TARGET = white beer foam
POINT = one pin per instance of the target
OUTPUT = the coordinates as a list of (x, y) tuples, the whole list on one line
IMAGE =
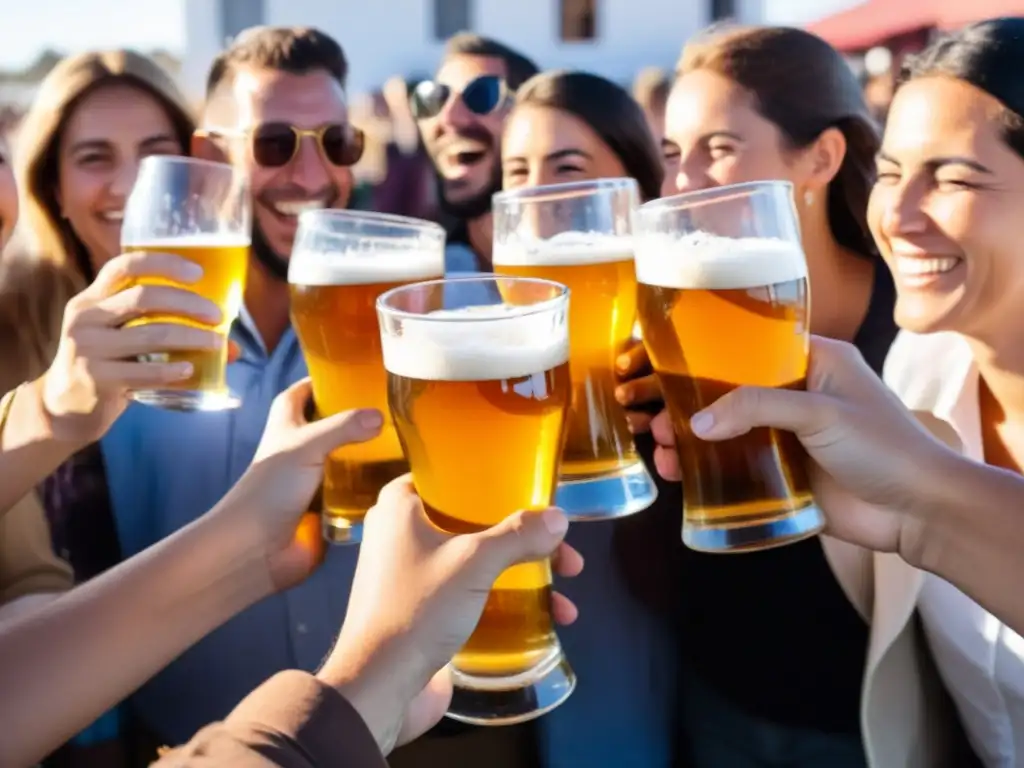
[(197, 240), (364, 267), (710, 262), (506, 346), (566, 249)]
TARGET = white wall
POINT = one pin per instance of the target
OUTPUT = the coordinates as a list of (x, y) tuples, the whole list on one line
[(382, 38)]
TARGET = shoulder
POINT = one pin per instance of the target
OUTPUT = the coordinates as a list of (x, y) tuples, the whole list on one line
[(921, 367)]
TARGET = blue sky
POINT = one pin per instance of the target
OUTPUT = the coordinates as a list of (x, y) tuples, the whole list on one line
[(31, 26)]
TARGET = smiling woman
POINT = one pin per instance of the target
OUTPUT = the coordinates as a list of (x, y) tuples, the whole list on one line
[(945, 213), (95, 117)]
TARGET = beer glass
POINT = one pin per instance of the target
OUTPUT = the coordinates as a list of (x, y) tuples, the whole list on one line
[(723, 301), (580, 234), (341, 262), (479, 390), (198, 210)]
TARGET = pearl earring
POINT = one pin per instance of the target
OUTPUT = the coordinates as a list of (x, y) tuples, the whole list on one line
[(808, 198)]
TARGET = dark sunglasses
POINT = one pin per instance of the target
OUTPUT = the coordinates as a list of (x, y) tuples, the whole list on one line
[(274, 145), (481, 96)]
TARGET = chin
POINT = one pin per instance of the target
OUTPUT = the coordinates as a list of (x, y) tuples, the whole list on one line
[(926, 317)]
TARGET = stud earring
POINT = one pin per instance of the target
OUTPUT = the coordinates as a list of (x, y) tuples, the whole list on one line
[(808, 198)]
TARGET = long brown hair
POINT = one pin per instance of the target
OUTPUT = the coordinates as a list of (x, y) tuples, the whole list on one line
[(52, 263), (802, 85)]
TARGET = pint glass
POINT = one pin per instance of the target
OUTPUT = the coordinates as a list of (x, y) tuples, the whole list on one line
[(479, 393), (341, 262), (198, 210), (723, 302), (580, 234)]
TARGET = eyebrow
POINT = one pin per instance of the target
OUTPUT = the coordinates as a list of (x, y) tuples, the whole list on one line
[(564, 153), (721, 135), (104, 144), (939, 162)]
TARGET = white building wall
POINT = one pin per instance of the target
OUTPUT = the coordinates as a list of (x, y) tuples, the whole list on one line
[(382, 38)]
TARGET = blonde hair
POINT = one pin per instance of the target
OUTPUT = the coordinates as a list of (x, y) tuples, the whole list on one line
[(39, 141), (52, 264)]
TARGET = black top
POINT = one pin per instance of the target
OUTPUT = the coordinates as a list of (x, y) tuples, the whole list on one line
[(773, 630)]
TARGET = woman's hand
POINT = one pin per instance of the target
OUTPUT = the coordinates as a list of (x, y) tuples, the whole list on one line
[(96, 364), (640, 386)]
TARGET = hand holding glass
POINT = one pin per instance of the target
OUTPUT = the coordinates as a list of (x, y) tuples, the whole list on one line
[(200, 211), (479, 394), (723, 302)]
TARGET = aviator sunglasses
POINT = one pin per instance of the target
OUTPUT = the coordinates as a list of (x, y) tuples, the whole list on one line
[(481, 96), (274, 145)]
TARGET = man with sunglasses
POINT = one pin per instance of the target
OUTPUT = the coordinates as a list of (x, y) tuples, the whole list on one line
[(276, 108), (461, 114)]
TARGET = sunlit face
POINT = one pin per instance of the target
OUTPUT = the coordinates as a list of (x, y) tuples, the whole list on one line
[(8, 194), (549, 146), (464, 146), (715, 136), (946, 210), (107, 135), (309, 180)]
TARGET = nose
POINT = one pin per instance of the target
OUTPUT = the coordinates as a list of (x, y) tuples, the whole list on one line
[(902, 210), (308, 168), (455, 114), (123, 179), (691, 177)]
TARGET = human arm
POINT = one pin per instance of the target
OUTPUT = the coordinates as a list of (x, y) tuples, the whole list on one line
[(939, 510), (43, 422)]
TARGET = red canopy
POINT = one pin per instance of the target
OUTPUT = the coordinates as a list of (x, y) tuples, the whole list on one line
[(875, 21)]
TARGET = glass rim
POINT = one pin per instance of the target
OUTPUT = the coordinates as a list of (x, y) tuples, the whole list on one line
[(189, 160), (547, 305), (410, 223), (713, 195), (565, 190)]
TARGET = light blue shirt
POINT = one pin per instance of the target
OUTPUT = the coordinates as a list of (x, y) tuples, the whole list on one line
[(165, 469)]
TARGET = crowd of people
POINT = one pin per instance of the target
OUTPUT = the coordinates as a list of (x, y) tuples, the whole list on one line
[(163, 582)]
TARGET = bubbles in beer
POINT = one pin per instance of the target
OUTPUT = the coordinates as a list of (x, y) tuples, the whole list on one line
[(476, 343), (702, 261), (382, 264), (565, 249)]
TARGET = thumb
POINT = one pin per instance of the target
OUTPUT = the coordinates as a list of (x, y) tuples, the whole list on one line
[(322, 436), (739, 411), (520, 538)]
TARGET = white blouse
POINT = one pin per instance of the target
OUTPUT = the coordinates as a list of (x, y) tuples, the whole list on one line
[(980, 660)]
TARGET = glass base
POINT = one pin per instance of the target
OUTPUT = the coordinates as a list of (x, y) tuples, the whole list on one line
[(608, 497), (340, 530), (755, 536), (186, 400), (511, 700)]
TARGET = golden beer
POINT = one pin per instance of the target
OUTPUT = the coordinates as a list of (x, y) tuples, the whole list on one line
[(479, 401), (333, 298), (225, 262), (719, 313), (601, 316)]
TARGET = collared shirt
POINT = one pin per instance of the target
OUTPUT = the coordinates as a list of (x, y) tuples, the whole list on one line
[(164, 470), (980, 659)]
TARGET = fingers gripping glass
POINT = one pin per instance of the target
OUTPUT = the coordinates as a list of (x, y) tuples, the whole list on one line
[(478, 387), (723, 300), (481, 96), (200, 211), (274, 145)]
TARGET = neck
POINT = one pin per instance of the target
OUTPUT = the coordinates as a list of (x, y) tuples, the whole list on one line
[(1000, 364), (841, 280), (480, 232), (266, 299)]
